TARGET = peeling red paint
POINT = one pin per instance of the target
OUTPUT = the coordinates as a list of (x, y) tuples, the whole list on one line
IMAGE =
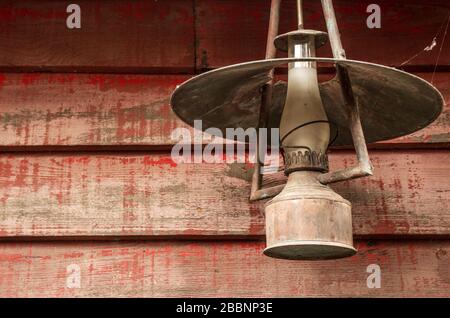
[(2, 80), (14, 258), (159, 162), (22, 174), (73, 255), (30, 78), (61, 78), (10, 13), (108, 252)]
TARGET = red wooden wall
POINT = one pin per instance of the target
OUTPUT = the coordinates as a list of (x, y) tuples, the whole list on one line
[(87, 182)]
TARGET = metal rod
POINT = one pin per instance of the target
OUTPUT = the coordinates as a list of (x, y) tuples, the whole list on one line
[(364, 167), (333, 30), (274, 21), (266, 193), (266, 100), (300, 14)]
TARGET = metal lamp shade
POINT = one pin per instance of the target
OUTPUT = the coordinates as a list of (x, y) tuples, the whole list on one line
[(392, 103)]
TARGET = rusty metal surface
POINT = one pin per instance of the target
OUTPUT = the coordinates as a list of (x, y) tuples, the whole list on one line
[(308, 221), (281, 41), (364, 167), (333, 29), (266, 99), (302, 159), (299, 14), (392, 103)]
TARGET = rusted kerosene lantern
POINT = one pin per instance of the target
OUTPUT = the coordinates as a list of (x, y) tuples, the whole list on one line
[(365, 102)]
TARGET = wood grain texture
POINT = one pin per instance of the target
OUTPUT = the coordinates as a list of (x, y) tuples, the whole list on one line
[(218, 269), (179, 35), (117, 36), (69, 109), (234, 31), (119, 195), (127, 196), (109, 110)]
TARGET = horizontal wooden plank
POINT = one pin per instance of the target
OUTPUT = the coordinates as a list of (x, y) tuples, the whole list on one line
[(173, 36), (130, 36), (69, 109), (235, 31), (218, 269), (106, 110), (111, 195)]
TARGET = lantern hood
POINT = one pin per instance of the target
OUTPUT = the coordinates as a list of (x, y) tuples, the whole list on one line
[(392, 103)]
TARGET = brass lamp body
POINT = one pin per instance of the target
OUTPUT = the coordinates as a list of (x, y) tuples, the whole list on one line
[(307, 220)]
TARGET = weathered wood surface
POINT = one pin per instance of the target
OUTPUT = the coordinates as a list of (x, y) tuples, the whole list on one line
[(92, 109), (217, 269), (130, 36), (70, 109), (88, 195), (235, 31), (179, 35), (93, 196)]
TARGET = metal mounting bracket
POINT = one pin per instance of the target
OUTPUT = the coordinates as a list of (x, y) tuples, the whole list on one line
[(364, 166)]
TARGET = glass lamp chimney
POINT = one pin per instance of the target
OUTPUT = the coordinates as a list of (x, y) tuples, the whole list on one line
[(304, 127)]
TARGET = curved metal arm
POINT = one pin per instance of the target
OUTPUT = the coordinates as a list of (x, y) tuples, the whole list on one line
[(266, 101), (364, 167)]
